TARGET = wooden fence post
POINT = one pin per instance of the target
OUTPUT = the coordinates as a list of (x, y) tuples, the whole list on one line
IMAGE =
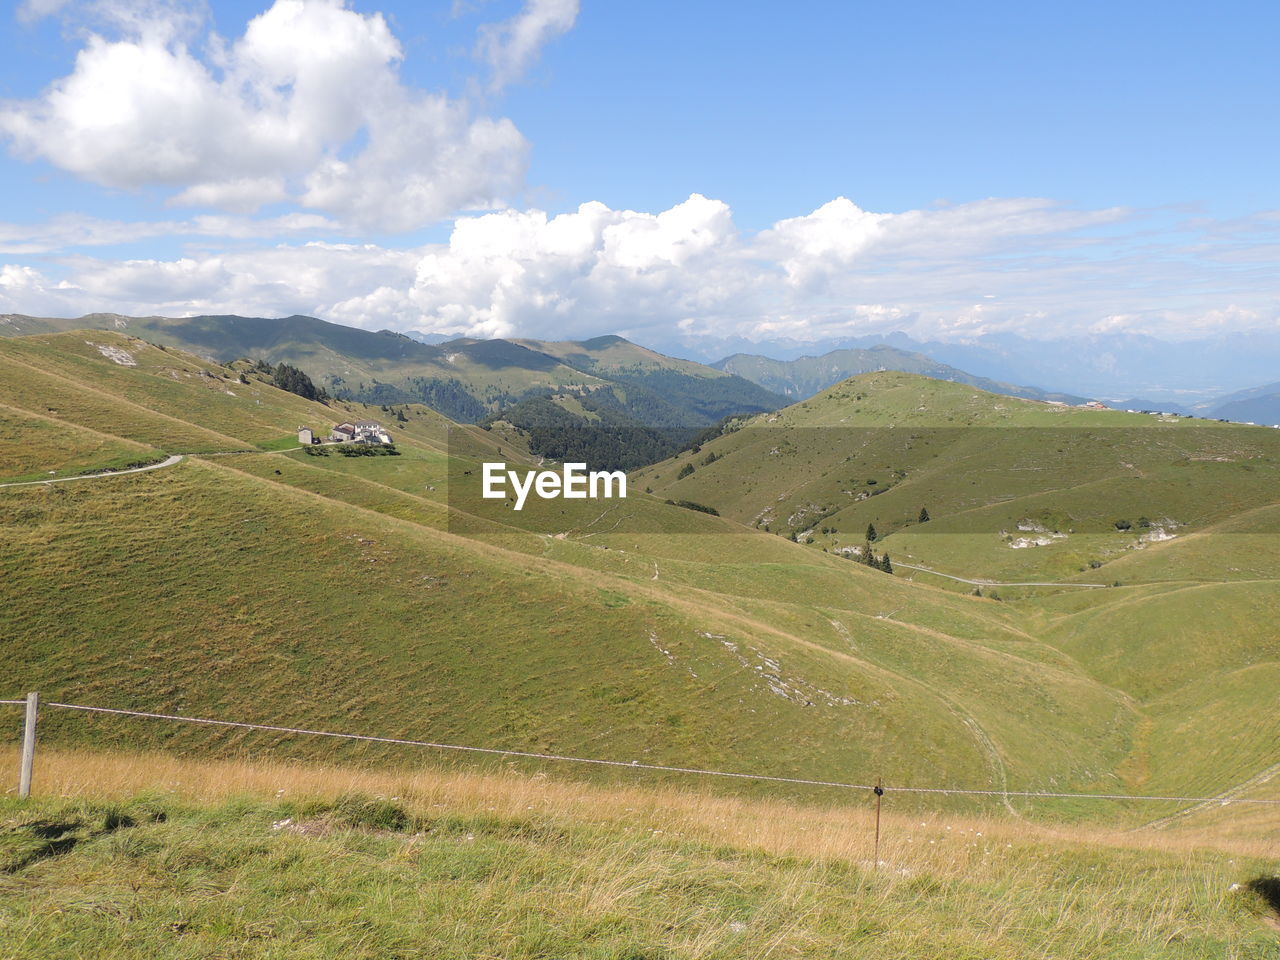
[(28, 745)]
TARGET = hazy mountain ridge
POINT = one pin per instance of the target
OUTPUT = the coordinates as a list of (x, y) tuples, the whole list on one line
[(803, 377), (464, 378), (1105, 365), (467, 379), (1256, 405)]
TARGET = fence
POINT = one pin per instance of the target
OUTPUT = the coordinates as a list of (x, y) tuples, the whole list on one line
[(33, 704)]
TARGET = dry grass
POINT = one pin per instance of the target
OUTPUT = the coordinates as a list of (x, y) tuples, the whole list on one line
[(260, 859), (842, 830)]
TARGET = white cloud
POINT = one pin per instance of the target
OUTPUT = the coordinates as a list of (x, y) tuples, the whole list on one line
[(688, 273), (511, 47), (74, 230), (242, 196), (307, 105), (513, 271), (26, 290), (828, 239), (31, 10)]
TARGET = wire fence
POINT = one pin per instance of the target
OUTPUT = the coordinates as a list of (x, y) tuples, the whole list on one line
[(1221, 798)]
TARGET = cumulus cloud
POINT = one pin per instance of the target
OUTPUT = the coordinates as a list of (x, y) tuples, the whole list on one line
[(507, 272), (511, 47), (689, 274), (307, 106)]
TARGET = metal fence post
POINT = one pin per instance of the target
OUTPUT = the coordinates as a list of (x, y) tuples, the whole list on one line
[(878, 789), (29, 745)]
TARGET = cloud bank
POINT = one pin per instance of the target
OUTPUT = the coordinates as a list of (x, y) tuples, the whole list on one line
[(307, 107), (687, 273)]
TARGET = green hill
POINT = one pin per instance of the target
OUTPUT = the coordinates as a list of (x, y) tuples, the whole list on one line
[(464, 379), (378, 594), (1023, 490)]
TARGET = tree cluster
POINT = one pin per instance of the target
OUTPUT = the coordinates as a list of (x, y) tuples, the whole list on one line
[(294, 380), (613, 441), (690, 505), (447, 395)]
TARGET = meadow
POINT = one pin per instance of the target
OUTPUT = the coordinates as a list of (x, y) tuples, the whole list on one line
[(263, 582), (164, 858)]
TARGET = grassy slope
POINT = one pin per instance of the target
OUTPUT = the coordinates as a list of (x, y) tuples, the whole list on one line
[(166, 400), (607, 355), (355, 594), (348, 593), (1191, 645), (272, 860), (877, 448), (327, 350), (335, 586)]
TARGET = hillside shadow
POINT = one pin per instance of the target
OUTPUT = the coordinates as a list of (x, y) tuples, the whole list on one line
[(40, 840), (1269, 889)]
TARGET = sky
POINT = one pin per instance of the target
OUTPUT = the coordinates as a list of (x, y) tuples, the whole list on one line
[(669, 171)]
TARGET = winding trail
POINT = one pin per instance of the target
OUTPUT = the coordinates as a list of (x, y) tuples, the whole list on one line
[(996, 583), (171, 461), (1221, 800)]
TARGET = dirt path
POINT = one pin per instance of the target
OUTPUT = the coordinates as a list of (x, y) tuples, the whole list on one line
[(1222, 799), (171, 461), (995, 583)]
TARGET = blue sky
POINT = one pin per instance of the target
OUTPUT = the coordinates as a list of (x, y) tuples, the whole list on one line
[(665, 170)]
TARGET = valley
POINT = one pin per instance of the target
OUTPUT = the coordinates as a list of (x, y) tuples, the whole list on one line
[(209, 565), (645, 630)]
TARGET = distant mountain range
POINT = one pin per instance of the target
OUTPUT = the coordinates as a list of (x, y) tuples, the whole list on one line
[(805, 376), (1256, 405), (470, 380), (465, 379), (1107, 366)]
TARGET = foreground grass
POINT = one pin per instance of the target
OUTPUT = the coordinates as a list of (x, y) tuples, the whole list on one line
[(260, 860)]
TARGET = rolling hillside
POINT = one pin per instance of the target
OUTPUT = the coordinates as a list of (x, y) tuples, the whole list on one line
[(464, 379), (1021, 488), (1019, 492), (372, 593)]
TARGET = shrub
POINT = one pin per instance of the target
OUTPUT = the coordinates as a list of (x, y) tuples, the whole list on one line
[(701, 508)]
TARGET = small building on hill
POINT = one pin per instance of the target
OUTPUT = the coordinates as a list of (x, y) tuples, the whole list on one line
[(305, 436), (362, 431)]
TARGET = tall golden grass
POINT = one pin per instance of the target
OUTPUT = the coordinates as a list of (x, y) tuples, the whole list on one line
[(939, 842)]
